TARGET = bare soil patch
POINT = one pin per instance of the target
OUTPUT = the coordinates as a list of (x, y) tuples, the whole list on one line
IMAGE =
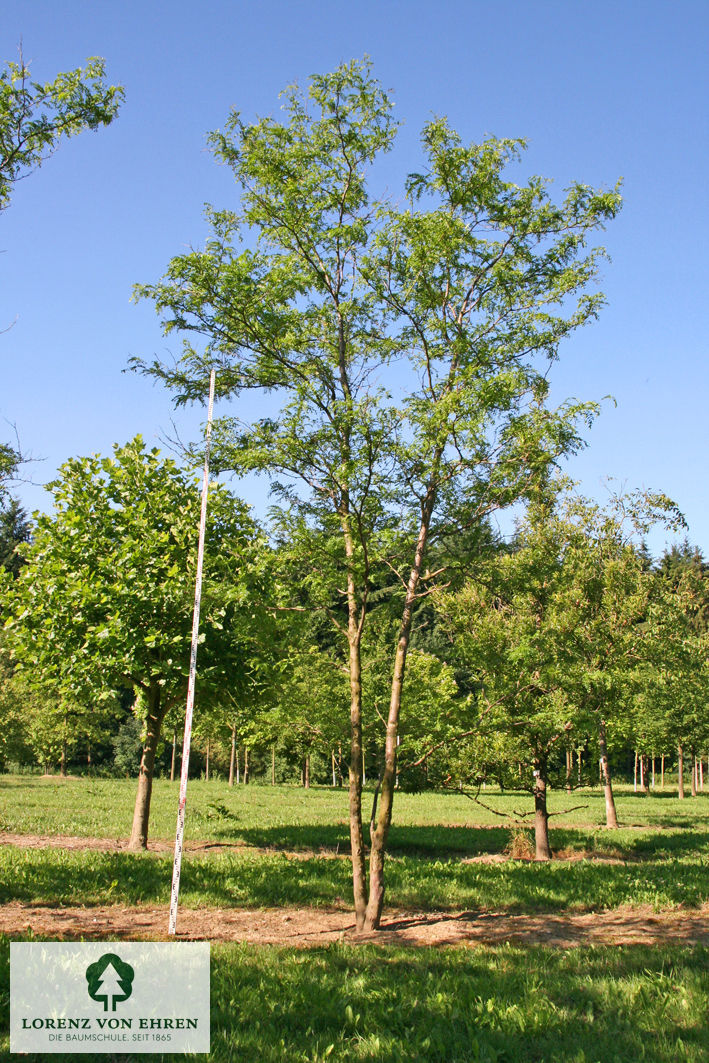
[(307, 927)]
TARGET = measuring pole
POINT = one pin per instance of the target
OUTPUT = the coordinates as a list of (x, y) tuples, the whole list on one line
[(177, 864)]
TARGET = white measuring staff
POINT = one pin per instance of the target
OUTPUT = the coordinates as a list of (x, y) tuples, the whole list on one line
[(177, 864)]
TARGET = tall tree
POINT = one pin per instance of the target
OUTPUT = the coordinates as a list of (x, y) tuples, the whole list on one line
[(35, 116), (408, 347), (105, 600)]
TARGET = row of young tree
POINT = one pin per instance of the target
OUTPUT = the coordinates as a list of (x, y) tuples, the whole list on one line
[(405, 349), (565, 644)]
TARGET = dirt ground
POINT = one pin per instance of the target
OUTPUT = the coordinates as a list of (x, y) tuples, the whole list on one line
[(306, 927)]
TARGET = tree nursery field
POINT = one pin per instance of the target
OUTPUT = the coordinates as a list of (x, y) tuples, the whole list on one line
[(598, 954)]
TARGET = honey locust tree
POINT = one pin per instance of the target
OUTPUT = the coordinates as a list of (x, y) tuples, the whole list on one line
[(104, 601), (34, 117), (404, 349)]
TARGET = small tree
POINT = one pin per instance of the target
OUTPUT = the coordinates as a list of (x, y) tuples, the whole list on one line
[(555, 633), (408, 345), (105, 599)]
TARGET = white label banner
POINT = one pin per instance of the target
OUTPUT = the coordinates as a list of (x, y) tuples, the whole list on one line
[(109, 996)]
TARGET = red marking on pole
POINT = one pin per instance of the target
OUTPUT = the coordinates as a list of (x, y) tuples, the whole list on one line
[(179, 834)]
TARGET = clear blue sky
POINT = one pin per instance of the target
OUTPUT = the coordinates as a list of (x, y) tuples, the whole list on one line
[(600, 90)]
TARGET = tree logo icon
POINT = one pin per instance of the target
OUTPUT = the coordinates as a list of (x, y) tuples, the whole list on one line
[(110, 980)]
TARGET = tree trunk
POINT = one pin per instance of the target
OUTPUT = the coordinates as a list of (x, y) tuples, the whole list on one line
[(542, 849), (701, 775), (635, 774), (662, 772), (306, 772), (569, 770), (694, 775), (611, 817), (356, 774), (232, 757), (644, 784), (174, 755), (332, 761), (580, 763), (339, 766), (653, 772), (246, 765), (380, 832), (62, 764), (680, 772), (141, 813), (273, 764)]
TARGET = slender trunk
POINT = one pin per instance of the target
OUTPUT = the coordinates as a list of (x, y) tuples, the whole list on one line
[(380, 832), (232, 758), (635, 774), (273, 764), (611, 817), (88, 757), (644, 785), (680, 772), (653, 771), (701, 775), (580, 763), (174, 755), (332, 759), (569, 770), (246, 765), (542, 849), (694, 775), (662, 772), (356, 777), (141, 813), (238, 769), (62, 765), (206, 764), (306, 772)]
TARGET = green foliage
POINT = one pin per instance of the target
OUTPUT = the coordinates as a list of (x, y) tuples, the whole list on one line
[(555, 632), (105, 599), (406, 348), (34, 117), (127, 746), (14, 532)]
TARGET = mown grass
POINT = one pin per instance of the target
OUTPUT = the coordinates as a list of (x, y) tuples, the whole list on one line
[(665, 851), (494, 1005), (252, 879), (290, 817)]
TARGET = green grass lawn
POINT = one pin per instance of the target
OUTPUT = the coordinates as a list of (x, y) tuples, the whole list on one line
[(290, 816), (504, 1005), (664, 845), (510, 1004)]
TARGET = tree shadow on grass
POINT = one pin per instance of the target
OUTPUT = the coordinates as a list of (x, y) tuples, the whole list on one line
[(242, 879), (492, 1004), (398, 1005), (431, 841)]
